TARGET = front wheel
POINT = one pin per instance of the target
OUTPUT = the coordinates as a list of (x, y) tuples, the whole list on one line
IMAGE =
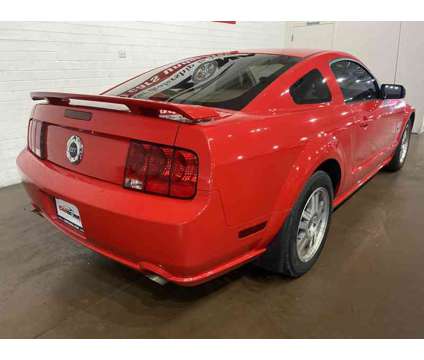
[(401, 151), (298, 244)]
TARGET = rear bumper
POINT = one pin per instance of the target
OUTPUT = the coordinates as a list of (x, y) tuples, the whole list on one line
[(185, 242)]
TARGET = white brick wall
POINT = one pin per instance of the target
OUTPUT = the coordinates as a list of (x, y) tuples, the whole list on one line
[(84, 57)]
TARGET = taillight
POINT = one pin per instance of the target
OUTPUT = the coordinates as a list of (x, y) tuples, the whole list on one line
[(162, 170), (36, 138)]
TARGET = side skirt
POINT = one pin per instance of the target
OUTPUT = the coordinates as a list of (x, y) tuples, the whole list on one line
[(343, 197)]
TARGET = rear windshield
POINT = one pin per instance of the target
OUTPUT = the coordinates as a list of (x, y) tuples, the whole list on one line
[(225, 81)]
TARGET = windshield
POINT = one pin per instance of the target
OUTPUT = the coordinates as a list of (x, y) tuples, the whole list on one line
[(228, 81)]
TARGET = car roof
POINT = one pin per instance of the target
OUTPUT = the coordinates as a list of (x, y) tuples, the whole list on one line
[(301, 53), (290, 52)]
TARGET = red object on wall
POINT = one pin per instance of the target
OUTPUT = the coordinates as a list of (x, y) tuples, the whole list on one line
[(227, 22)]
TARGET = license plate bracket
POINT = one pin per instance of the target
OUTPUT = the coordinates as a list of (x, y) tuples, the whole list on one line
[(69, 213)]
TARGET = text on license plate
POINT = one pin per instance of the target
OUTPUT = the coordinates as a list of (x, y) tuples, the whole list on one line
[(69, 213)]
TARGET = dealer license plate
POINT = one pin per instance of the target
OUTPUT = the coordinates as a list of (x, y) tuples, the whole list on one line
[(69, 213)]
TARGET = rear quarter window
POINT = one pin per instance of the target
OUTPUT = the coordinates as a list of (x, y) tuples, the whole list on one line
[(310, 89)]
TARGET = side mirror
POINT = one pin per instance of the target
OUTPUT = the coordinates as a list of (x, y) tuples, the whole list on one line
[(392, 91)]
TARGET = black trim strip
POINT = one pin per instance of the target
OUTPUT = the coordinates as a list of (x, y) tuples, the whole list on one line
[(251, 230), (78, 115)]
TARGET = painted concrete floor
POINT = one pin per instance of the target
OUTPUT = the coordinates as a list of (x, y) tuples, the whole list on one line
[(368, 283)]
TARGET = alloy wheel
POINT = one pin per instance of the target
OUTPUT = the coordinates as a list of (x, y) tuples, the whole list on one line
[(404, 144), (313, 224)]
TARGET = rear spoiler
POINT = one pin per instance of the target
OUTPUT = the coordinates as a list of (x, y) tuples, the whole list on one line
[(192, 113)]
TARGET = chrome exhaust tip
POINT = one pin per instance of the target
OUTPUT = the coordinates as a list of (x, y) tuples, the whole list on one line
[(157, 279)]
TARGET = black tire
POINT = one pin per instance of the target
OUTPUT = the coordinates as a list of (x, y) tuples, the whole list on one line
[(282, 255), (398, 161)]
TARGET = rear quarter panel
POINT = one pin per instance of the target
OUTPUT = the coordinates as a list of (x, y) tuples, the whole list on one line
[(259, 159), (260, 164)]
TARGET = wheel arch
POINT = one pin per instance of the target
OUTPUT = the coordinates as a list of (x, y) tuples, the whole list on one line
[(412, 118), (333, 169), (327, 156)]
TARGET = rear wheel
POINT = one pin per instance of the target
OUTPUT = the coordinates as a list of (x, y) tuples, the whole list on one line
[(298, 244), (401, 151)]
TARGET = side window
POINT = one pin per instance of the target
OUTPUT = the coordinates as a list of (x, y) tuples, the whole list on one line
[(356, 83), (310, 89)]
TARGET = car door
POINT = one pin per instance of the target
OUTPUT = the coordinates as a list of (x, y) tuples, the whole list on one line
[(393, 116), (370, 132)]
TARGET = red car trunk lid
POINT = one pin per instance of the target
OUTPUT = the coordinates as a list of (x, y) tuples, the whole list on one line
[(104, 131), (105, 138)]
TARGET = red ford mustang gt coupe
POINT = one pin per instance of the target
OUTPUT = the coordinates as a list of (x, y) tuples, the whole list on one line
[(194, 168)]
